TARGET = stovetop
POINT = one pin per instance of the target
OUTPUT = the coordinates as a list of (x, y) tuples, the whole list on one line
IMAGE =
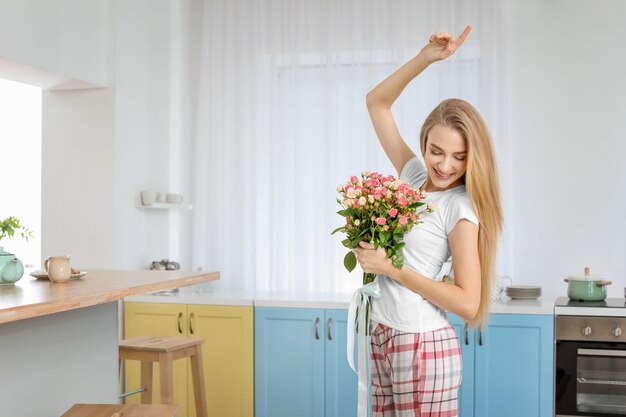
[(612, 307)]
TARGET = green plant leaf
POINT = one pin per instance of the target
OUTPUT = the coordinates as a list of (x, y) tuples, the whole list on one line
[(336, 230), (349, 261)]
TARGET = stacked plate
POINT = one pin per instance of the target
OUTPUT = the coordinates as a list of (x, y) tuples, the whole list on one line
[(527, 292)]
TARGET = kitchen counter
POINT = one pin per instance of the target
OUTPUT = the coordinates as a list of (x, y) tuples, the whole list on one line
[(198, 295), (60, 340), (30, 297)]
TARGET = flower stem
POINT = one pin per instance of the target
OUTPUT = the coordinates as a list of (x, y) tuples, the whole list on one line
[(367, 278)]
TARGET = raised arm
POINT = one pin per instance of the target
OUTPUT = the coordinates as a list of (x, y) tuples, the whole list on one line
[(379, 101)]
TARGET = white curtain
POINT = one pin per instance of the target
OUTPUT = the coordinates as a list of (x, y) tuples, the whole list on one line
[(281, 122)]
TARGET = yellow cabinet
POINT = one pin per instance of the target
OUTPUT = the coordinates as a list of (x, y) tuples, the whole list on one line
[(227, 353)]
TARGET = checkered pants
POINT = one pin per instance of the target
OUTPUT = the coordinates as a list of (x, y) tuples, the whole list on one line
[(415, 374)]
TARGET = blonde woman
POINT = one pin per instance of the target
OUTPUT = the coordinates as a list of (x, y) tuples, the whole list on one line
[(416, 359)]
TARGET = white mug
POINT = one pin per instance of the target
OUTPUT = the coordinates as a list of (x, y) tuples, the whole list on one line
[(58, 268), (498, 287), (174, 198), (148, 197)]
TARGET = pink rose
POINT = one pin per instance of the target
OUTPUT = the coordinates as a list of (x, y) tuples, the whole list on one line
[(381, 221), (402, 201), (354, 179), (393, 212), (402, 220)]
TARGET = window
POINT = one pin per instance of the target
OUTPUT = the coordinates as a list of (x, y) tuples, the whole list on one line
[(20, 165)]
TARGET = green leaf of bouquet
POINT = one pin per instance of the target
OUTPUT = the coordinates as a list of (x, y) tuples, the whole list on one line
[(349, 261), (336, 230), (346, 243), (344, 212), (399, 246), (355, 242), (398, 261)]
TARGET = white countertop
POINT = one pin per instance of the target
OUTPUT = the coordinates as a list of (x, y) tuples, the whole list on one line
[(206, 295)]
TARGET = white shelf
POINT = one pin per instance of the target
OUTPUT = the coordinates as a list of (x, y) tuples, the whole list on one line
[(162, 206), (165, 206)]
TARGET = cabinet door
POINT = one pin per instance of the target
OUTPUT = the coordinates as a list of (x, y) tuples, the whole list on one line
[(466, 338), (289, 362), (514, 366), (341, 381), (151, 319), (227, 354)]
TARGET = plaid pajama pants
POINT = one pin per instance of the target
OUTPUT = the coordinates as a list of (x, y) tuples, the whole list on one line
[(415, 374)]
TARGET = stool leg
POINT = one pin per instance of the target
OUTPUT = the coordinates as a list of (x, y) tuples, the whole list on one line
[(199, 390), (146, 382), (167, 378)]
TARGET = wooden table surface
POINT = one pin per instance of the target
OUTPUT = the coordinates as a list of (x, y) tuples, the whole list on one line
[(30, 297), (121, 410)]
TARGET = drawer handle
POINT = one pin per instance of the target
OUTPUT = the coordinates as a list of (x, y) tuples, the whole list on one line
[(466, 331), (480, 337), (317, 328), (180, 323), (191, 316), (328, 325)]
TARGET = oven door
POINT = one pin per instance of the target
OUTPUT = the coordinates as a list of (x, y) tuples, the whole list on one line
[(590, 379)]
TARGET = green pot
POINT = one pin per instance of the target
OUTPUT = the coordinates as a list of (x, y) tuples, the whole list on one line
[(586, 288), (11, 268)]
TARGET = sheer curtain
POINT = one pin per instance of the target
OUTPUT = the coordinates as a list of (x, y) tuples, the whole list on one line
[(281, 122)]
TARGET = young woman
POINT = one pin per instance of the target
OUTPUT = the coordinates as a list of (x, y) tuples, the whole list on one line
[(416, 358)]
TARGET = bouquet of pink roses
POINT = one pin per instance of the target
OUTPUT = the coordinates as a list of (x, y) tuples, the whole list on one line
[(379, 210)]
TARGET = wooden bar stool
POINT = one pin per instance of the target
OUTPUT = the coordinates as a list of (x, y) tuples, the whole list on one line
[(121, 410), (165, 350)]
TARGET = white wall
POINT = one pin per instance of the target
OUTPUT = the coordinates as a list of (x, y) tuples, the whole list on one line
[(152, 130), (70, 38), (568, 144), (102, 146), (78, 196)]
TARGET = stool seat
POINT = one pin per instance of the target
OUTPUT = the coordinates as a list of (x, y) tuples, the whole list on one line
[(159, 343), (124, 410), (164, 350)]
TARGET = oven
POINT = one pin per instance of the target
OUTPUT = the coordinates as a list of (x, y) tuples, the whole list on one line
[(590, 358)]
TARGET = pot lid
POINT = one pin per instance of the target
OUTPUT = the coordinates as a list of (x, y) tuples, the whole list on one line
[(3, 253), (586, 276)]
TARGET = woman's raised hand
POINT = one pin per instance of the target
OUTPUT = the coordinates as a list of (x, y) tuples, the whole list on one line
[(441, 45)]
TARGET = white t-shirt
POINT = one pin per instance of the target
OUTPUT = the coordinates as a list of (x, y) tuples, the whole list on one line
[(425, 252)]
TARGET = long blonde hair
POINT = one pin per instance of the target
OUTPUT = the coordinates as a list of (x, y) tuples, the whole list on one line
[(481, 182)]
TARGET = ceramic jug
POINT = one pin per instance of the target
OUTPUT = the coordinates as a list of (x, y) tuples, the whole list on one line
[(11, 268), (58, 268)]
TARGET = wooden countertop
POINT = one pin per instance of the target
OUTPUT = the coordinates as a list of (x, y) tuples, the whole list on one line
[(30, 297)]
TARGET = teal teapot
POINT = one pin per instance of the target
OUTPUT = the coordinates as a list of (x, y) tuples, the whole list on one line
[(11, 268)]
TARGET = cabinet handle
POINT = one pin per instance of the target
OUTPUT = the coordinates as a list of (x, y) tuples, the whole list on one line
[(480, 337), (317, 328), (191, 316), (180, 323), (329, 323), (465, 330)]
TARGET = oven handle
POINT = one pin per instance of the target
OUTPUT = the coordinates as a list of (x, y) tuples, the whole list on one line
[(599, 381), (601, 352)]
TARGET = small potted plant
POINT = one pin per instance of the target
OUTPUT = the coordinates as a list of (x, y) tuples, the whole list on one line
[(11, 268)]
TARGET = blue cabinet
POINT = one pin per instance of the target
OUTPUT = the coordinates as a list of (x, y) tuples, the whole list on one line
[(508, 367), (301, 368)]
